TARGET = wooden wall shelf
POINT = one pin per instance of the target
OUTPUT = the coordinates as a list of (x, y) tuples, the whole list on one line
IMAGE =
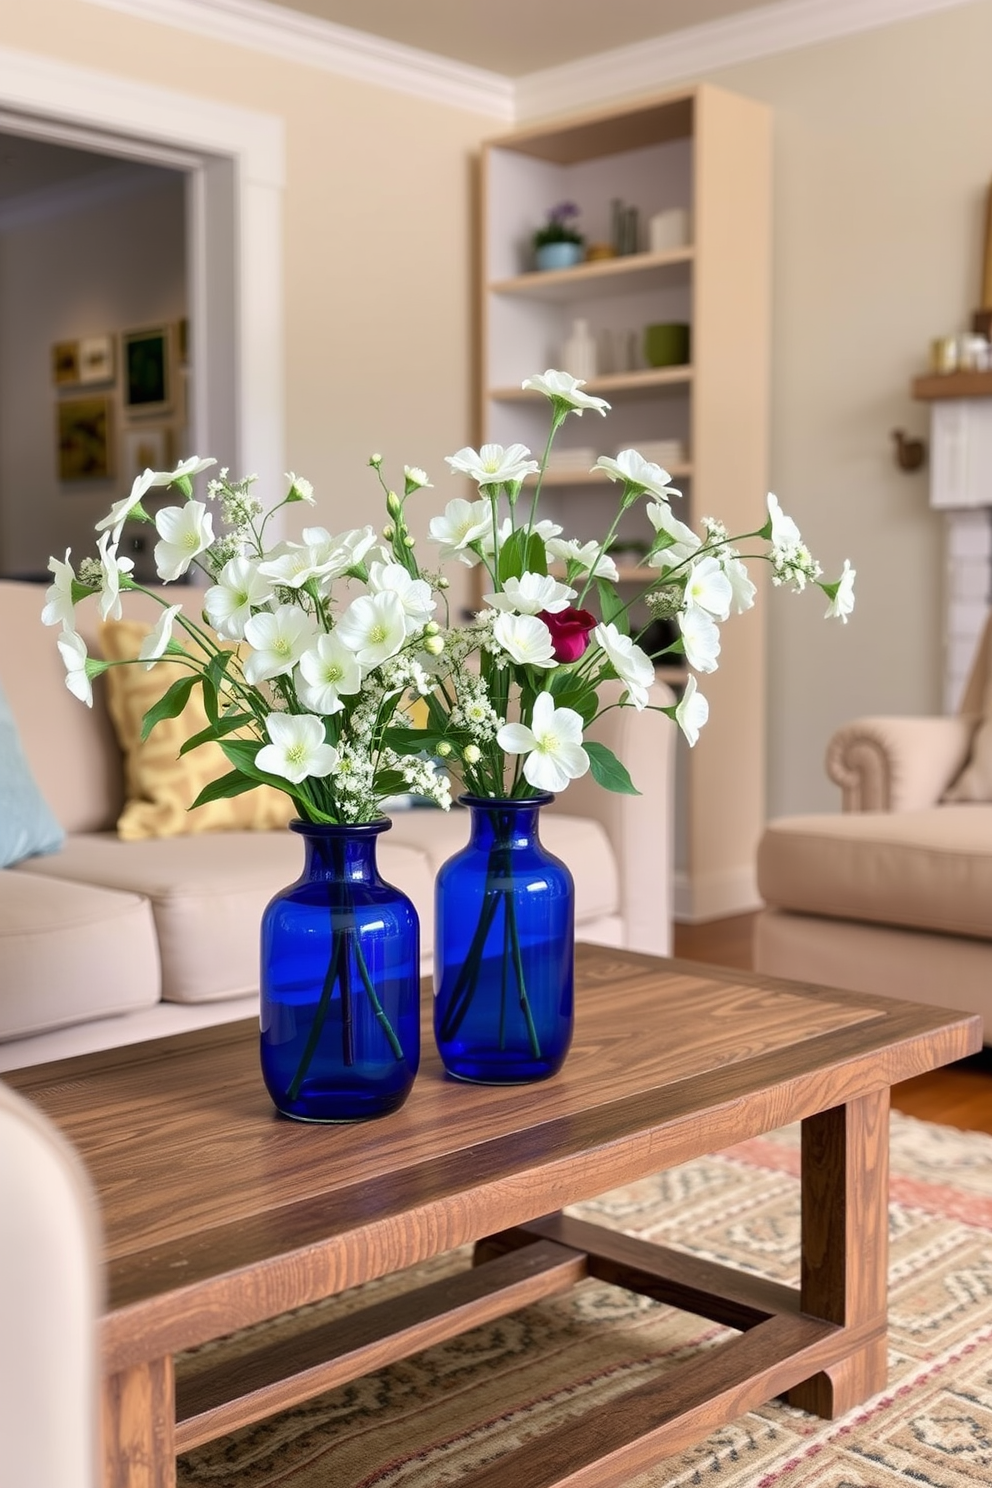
[(952, 385)]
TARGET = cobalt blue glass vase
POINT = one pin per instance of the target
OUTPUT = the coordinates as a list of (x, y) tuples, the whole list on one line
[(505, 931), (340, 983)]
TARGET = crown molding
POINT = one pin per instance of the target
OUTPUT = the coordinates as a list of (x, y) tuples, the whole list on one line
[(311, 42), (688, 54)]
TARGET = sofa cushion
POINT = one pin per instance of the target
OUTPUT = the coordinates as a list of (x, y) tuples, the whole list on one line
[(71, 953), (160, 784), (27, 825), (207, 895), (578, 841), (931, 870)]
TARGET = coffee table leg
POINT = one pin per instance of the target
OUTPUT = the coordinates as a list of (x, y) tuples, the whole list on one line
[(845, 1249), (139, 1415)]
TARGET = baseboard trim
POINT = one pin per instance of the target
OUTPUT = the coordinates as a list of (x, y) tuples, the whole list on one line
[(715, 896)]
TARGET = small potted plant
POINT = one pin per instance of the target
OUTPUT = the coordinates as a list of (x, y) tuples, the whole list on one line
[(559, 244)]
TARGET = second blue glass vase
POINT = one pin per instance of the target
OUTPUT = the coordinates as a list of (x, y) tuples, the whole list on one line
[(340, 983), (503, 1009)]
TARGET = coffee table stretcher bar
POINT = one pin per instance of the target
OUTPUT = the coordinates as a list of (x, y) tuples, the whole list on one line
[(193, 1257)]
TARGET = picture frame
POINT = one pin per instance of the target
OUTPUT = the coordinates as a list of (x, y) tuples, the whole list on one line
[(83, 429), (146, 371), (96, 359), (65, 363), (145, 447)]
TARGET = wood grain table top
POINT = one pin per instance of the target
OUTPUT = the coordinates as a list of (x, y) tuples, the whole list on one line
[(217, 1212)]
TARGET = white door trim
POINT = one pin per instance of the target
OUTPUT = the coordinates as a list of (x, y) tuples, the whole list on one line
[(236, 161)]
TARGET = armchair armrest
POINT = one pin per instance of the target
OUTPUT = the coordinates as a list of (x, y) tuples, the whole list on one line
[(898, 764), (640, 828)]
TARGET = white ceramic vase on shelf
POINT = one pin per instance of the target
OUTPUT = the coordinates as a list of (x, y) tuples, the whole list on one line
[(579, 352)]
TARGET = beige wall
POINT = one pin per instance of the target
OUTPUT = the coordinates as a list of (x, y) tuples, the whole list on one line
[(378, 245), (882, 161), (883, 157), (108, 268)]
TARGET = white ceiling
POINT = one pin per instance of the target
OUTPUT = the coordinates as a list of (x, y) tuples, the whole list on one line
[(516, 37)]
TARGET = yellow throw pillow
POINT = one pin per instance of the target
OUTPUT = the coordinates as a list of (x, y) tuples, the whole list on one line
[(160, 786)]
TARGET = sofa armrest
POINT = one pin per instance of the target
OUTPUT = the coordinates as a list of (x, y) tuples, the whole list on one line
[(898, 764), (640, 828)]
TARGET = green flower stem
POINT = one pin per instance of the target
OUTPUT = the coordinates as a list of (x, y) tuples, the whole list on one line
[(316, 1028), (347, 1019), (373, 998), (518, 962), (466, 983)]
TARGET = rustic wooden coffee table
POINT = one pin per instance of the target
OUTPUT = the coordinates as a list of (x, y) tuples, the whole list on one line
[(218, 1213)]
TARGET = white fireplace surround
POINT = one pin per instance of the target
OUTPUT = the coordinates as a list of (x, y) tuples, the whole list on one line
[(961, 487)]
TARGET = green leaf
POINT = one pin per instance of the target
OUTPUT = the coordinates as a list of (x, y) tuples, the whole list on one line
[(607, 770), (214, 731), (511, 555), (233, 784), (573, 692), (169, 705), (536, 557), (612, 607)]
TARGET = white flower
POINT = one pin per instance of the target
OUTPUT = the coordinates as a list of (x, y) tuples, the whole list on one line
[(684, 541), (414, 478), (691, 711), (743, 589), (530, 594), (325, 672), (186, 468), (298, 748), (493, 465), (353, 545), (463, 522), (700, 638), (414, 594), (59, 608), (526, 639), (121, 510), (589, 556), (631, 664), (73, 651), (553, 745), (229, 602), (785, 537), (565, 388), (634, 470), (111, 568), (708, 587), (373, 627), (278, 640), (843, 601), (185, 531), (319, 556), (156, 642), (299, 489)]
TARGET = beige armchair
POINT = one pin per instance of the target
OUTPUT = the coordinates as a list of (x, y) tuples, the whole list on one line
[(893, 895)]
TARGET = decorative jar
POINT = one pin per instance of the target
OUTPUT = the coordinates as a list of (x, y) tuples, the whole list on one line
[(504, 953), (340, 983)]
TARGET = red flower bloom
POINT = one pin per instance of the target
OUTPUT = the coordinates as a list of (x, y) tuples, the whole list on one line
[(569, 631)]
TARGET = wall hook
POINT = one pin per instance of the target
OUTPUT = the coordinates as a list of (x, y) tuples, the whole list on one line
[(910, 453)]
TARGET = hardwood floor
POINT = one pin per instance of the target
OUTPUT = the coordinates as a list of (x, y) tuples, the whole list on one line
[(959, 1095)]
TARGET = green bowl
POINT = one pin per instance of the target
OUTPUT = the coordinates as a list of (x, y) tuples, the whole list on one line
[(666, 345)]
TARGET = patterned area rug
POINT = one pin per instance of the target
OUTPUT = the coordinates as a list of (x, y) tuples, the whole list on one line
[(439, 1416)]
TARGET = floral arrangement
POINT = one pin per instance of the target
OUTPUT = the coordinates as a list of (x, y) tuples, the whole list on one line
[(314, 653), (560, 226)]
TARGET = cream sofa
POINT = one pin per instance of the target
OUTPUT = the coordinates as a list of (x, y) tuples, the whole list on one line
[(894, 895), (107, 942)]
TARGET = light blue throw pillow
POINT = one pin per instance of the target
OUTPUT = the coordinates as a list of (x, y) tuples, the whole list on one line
[(27, 826)]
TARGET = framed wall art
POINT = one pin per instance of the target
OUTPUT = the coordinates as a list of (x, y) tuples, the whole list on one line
[(96, 359), (148, 447), (65, 363), (83, 431), (146, 371)]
